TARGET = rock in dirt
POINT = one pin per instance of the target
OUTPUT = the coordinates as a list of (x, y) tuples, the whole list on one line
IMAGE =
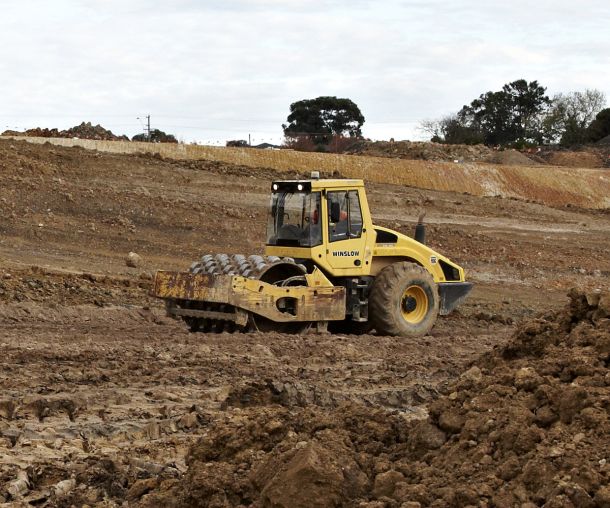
[(188, 421), (425, 437), (133, 260), (385, 483), (141, 487), (471, 377), (527, 379), (63, 488), (602, 497), (19, 486), (318, 474)]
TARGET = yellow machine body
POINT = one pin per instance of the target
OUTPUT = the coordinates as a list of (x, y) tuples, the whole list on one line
[(373, 250)]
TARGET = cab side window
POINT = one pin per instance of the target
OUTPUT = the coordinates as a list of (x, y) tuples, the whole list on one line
[(344, 215), (355, 214)]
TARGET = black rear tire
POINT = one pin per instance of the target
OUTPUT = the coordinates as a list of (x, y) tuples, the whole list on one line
[(403, 300)]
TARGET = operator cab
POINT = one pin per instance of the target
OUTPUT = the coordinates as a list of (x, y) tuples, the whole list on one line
[(295, 218), (297, 213)]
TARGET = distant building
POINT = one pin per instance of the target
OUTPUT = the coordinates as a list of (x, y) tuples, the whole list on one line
[(267, 146)]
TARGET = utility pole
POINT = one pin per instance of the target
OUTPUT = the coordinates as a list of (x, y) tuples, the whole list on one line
[(146, 128)]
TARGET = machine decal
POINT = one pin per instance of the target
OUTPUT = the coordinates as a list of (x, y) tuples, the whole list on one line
[(346, 253)]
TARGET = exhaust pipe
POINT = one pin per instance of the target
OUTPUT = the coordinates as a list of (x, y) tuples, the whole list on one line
[(420, 229)]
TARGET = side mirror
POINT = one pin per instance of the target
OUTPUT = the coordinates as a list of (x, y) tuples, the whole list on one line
[(335, 211)]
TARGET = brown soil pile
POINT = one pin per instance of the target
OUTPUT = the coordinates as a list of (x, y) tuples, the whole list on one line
[(510, 158), (420, 150), (597, 156), (526, 425), (576, 159), (83, 131), (36, 284), (586, 156)]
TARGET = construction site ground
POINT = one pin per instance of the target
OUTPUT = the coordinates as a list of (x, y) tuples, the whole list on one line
[(105, 400)]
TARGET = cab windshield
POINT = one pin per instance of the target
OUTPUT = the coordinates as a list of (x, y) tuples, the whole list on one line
[(295, 219)]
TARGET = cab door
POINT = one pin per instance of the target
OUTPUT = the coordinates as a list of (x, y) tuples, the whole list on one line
[(346, 241)]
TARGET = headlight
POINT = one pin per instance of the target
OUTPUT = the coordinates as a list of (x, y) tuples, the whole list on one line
[(299, 187)]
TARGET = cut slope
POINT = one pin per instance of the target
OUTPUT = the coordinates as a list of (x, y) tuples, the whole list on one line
[(587, 188)]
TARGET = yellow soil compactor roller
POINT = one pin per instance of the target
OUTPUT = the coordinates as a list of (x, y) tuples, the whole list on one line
[(326, 265)]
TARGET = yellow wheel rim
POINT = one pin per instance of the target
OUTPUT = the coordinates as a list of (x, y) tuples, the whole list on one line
[(414, 304)]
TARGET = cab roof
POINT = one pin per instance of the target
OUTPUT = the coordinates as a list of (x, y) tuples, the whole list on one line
[(315, 184)]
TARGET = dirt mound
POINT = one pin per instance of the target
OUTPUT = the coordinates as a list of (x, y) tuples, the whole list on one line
[(36, 284), (509, 158), (585, 159), (279, 457), (527, 423), (604, 141), (585, 156), (83, 131), (420, 150)]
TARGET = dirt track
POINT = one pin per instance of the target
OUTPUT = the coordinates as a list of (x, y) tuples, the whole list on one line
[(101, 393)]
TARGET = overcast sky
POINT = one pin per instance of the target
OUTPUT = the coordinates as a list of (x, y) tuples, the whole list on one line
[(216, 70)]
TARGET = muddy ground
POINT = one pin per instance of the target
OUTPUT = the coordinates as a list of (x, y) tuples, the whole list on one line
[(103, 397)]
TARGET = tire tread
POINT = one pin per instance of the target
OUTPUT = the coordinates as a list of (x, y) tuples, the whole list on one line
[(382, 300)]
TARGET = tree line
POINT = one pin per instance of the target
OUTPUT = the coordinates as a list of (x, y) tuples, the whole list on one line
[(522, 114), (519, 114)]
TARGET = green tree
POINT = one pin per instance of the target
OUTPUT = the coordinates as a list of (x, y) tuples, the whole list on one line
[(240, 143), (512, 115), (322, 118), (156, 136), (458, 133), (570, 115), (600, 127), (452, 130)]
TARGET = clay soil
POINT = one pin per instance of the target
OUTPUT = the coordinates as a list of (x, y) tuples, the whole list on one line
[(105, 401)]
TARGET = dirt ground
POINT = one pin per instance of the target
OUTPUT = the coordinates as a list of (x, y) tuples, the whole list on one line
[(105, 400)]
